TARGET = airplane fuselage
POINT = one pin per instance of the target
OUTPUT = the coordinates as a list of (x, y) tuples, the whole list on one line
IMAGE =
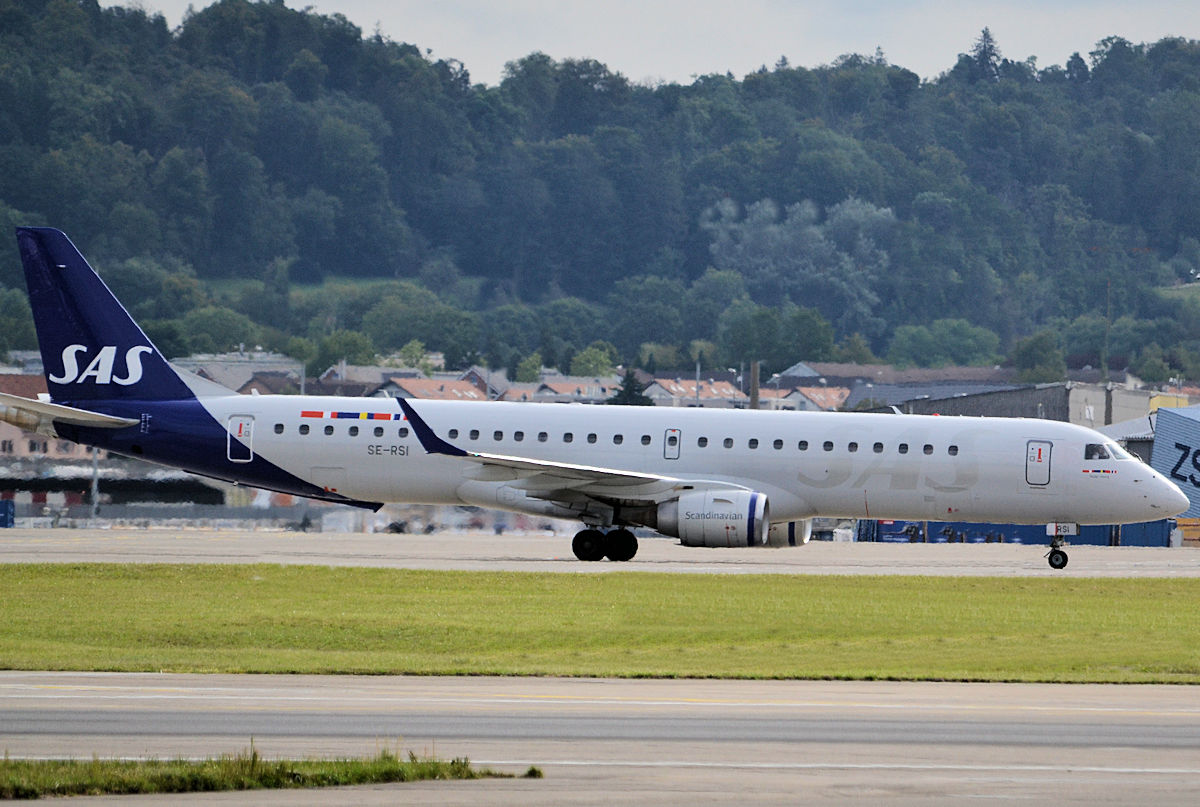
[(809, 464)]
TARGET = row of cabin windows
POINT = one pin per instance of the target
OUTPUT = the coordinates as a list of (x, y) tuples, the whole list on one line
[(353, 431), (618, 439)]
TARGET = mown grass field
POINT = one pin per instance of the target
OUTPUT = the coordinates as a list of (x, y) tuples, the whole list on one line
[(291, 619)]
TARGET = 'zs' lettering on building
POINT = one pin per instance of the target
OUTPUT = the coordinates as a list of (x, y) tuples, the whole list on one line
[(101, 367), (1184, 452)]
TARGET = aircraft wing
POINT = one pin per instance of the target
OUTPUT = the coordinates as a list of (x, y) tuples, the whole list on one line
[(552, 480), (39, 416)]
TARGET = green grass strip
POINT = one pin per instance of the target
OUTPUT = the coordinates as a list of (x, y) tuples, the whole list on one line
[(31, 779), (289, 619)]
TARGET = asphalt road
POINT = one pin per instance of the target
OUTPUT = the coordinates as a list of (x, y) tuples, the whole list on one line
[(638, 742), (645, 742), (550, 553)]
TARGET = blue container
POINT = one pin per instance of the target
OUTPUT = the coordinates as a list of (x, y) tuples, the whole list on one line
[(8, 512), (1150, 533)]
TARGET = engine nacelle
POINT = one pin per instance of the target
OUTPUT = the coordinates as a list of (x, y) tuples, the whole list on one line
[(716, 518), (790, 533)]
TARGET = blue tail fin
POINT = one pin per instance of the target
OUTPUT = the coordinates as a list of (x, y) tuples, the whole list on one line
[(92, 349)]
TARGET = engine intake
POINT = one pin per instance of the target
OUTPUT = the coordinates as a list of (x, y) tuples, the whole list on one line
[(716, 518)]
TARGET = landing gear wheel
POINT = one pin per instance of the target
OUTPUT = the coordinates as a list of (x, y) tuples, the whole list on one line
[(589, 545), (622, 545), (1057, 559)]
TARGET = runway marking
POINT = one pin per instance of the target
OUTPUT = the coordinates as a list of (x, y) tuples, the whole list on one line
[(382, 700), (849, 766), (762, 766)]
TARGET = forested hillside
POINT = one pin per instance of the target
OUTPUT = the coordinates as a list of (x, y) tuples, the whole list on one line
[(272, 176)]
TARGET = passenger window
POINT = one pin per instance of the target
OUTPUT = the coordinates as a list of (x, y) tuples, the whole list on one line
[(568, 437), (379, 431), (728, 442), (543, 437), (877, 448), (304, 428), (452, 434), (497, 436), (852, 447), (753, 442), (329, 429), (702, 442), (474, 435), (404, 432), (1095, 451), (828, 445), (804, 445), (778, 444), (279, 428), (618, 439), (591, 438), (673, 440), (518, 436), (952, 451), (902, 448), (353, 431), (928, 449), (645, 439)]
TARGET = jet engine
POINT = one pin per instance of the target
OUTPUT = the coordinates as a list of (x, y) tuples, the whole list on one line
[(716, 518), (790, 533)]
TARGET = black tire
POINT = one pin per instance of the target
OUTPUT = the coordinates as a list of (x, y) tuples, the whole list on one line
[(589, 545), (622, 545), (1057, 559)]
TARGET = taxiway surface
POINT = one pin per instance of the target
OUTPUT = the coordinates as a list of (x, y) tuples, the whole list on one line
[(642, 742), (482, 551), (632, 741)]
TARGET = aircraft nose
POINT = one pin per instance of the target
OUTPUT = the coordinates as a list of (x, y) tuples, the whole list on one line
[(1173, 499), (1165, 498)]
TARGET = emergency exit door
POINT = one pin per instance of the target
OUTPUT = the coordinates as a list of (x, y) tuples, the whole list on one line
[(671, 445), (1037, 462)]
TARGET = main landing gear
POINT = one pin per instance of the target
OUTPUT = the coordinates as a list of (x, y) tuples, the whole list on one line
[(591, 544)]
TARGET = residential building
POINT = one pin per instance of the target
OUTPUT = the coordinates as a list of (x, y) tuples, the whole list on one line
[(687, 392), (429, 388)]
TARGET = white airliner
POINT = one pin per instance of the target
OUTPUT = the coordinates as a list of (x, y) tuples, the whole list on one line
[(712, 478)]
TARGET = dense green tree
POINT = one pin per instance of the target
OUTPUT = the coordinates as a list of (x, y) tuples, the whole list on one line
[(568, 204), (351, 347), (596, 359), (854, 349), (943, 342), (1039, 359), (644, 309), (631, 393), (529, 370), (16, 322), (221, 327)]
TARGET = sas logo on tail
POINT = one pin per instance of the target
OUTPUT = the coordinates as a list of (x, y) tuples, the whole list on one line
[(101, 367)]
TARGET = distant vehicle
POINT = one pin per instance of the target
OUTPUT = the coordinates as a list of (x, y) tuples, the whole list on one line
[(712, 478)]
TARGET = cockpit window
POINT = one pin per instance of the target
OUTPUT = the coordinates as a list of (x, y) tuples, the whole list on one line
[(1096, 451), (1118, 453)]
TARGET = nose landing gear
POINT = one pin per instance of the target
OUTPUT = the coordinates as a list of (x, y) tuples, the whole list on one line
[(592, 545), (1056, 557)]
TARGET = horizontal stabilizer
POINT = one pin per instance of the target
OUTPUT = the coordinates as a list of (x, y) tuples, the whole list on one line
[(39, 416)]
